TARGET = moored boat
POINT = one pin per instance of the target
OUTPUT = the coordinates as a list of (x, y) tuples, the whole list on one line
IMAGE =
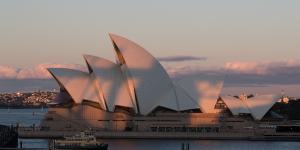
[(84, 140)]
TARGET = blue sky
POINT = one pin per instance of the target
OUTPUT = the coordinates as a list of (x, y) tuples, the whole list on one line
[(259, 39)]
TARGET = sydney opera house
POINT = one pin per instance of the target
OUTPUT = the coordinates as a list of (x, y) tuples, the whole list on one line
[(136, 94)]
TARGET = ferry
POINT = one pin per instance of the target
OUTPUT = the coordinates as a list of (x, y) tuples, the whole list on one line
[(84, 140)]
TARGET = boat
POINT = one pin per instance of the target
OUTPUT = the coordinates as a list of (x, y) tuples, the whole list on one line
[(84, 140)]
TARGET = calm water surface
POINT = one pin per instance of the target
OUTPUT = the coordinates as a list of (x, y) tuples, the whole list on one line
[(33, 116)]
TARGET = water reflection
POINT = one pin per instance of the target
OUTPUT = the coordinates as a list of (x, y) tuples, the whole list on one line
[(199, 145)]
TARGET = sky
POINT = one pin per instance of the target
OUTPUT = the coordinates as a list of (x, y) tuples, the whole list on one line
[(259, 39)]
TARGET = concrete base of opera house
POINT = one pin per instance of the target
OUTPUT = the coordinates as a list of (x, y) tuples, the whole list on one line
[(151, 135), (59, 122)]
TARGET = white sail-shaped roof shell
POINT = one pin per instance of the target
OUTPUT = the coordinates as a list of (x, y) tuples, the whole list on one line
[(185, 101), (152, 84), (204, 89), (78, 84), (235, 105), (260, 105), (111, 82)]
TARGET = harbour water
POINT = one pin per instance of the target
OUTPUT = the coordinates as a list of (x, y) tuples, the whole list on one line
[(29, 117), (24, 117)]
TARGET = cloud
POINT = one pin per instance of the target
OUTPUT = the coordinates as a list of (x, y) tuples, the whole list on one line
[(264, 72), (8, 72), (180, 58), (246, 67), (40, 71), (238, 72), (36, 72), (263, 68), (239, 76)]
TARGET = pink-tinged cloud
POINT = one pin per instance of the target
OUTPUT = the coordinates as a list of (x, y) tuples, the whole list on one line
[(278, 69), (247, 67), (8, 72), (37, 72), (173, 71), (40, 70), (264, 67), (177, 71)]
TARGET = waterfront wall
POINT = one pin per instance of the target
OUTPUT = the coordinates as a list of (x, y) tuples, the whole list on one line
[(164, 135)]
